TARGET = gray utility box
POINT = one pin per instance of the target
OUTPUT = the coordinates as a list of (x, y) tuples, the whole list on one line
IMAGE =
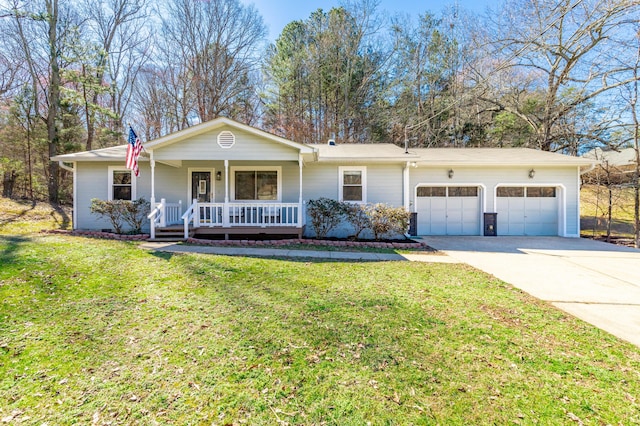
[(490, 224)]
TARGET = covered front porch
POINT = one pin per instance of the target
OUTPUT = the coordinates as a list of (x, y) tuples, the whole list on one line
[(236, 179), (171, 220), (227, 198)]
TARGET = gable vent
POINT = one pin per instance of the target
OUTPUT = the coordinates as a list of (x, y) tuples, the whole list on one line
[(226, 139)]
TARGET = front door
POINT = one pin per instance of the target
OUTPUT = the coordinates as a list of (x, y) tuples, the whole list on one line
[(201, 186)]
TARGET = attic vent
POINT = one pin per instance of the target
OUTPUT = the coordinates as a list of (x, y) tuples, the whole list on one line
[(331, 142), (226, 139)]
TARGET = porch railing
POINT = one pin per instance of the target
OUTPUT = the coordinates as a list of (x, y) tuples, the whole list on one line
[(259, 215), (164, 214)]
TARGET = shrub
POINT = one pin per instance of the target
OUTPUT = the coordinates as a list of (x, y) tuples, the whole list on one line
[(119, 212), (357, 215), (325, 215), (135, 214), (386, 220)]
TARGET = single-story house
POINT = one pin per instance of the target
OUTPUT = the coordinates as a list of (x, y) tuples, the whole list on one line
[(613, 167), (225, 177)]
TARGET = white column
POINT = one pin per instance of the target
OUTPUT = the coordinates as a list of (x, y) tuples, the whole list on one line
[(74, 214), (300, 194), (152, 163), (225, 208)]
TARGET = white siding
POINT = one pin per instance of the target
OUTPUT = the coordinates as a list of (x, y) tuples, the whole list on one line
[(491, 177), (384, 182), (92, 182), (205, 146), (384, 185)]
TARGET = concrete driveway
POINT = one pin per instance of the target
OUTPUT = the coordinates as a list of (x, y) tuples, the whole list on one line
[(596, 282)]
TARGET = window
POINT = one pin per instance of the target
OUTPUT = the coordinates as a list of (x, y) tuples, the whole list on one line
[(432, 191), (122, 186), (510, 191), (541, 191), (531, 191), (353, 184), (251, 184), (463, 191)]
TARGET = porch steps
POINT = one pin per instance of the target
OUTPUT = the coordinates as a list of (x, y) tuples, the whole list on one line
[(170, 234)]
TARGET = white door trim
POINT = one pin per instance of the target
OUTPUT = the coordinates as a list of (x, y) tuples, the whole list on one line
[(562, 200), (482, 196)]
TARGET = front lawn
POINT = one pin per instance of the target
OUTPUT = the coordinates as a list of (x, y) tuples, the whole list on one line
[(101, 332)]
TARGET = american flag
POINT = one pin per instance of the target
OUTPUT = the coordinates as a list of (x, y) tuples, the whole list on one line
[(133, 151)]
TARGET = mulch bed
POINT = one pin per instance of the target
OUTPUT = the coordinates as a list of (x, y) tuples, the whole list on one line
[(388, 244)]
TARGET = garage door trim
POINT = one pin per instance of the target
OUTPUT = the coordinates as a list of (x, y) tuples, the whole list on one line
[(482, 195), (562, 199)]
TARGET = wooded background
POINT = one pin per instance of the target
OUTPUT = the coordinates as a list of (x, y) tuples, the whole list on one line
[(552, 75)]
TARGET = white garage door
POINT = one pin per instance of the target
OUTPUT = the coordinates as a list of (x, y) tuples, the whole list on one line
[(452, 210), (527, 210)]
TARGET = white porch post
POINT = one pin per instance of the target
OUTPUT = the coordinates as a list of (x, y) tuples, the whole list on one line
[(163, 213), (300, 194), (152, 163), (196, 214), (225, 211)]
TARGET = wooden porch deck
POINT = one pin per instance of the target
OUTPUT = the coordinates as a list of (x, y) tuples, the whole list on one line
[(176, 232)]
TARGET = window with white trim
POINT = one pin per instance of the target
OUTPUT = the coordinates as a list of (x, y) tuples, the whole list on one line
[(353, 184), (256, 183), (122, 185)]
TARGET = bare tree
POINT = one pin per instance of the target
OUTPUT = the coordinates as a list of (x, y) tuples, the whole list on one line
[(116, 31), (216, 45), (568, 46), (41, 36)]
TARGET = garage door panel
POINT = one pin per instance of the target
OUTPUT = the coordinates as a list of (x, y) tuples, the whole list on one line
[(448, 215), (533, 211)]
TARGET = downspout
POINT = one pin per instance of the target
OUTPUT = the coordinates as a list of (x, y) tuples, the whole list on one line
[(73, 170), (64, 166), (405, 190), (405, 186)]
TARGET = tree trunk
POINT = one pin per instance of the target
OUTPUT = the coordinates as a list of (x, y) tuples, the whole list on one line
[(8, 180), (54, 100)]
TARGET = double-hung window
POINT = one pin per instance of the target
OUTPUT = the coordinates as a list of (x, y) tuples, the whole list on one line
[(122, 185), (353, 184)]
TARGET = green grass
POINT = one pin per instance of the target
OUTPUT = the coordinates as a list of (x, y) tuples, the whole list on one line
[(20, 217), (103, 332), (594, 202)]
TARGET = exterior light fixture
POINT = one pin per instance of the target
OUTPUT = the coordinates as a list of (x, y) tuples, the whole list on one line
[(218, 175), (450, 173), (532, 173)]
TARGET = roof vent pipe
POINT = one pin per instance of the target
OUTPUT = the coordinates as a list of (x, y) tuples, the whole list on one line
[(331, 142)]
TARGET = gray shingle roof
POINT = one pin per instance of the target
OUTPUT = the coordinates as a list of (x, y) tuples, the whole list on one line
[(114, 153), (496, 156)]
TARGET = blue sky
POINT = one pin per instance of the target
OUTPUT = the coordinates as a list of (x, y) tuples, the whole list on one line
[(278, 13)]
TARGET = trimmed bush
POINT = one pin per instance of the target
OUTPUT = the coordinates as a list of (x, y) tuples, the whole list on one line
[(119, 212), (135, 214), (387, 220), (325, 215), (358, 216)]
